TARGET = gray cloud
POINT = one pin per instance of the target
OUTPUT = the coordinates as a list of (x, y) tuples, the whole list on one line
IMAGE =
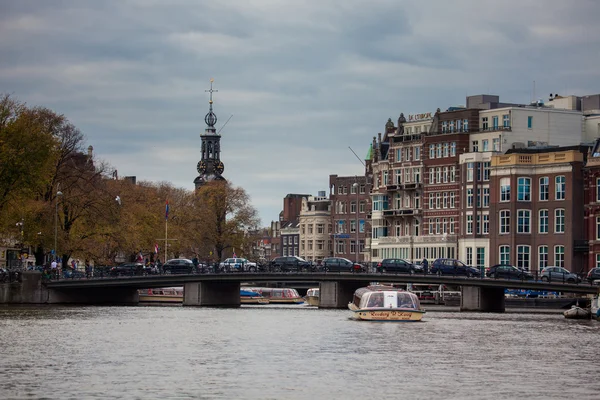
[(304, 80)]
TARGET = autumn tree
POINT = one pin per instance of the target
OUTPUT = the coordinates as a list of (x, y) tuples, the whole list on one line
[(224, 216)]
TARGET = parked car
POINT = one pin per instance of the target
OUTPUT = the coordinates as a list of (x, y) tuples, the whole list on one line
[(450, 266), (397, 265), (339, 264), (238, 265), (593, 274), (127, 269), (178, 266), (291, 263), (559, 274), (505, 271)]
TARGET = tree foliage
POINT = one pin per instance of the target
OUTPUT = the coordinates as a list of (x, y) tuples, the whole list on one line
[(55, 190)]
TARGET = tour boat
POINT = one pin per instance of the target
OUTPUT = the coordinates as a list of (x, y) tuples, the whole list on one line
[(312, 297), (576, 312), (279, 295), (385, 303), (161, 295), (250, 297)]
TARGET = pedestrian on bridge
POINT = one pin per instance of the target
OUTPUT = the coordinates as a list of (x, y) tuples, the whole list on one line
[(425, 266)]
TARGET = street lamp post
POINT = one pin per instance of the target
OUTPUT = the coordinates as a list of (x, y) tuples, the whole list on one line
[(58, 193)]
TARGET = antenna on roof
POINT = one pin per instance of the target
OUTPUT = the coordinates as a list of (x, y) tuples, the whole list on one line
[(225, 123), (362, 162)]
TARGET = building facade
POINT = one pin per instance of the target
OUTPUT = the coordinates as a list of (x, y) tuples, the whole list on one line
[(290, 238), (349, 198), (398, 189), (474, 232), (315, 228), (592, 205), (536, 204), (442, 147)]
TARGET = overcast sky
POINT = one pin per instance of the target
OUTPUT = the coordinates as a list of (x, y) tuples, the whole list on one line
[(304, 80)]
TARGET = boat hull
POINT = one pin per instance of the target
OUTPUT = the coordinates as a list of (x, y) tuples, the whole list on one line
[(254, 300), (577, 313), (160, 299), (312, 300), (391, 314)]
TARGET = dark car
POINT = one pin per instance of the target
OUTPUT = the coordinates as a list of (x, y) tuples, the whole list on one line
[(450, 266), (397, 265), (127, 269), (593, 274), (291, 263), (505, 271), (339, 264), (178, 266)]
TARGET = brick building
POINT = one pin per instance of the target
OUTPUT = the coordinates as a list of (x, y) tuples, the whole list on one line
[(536, 204), (349, 196)]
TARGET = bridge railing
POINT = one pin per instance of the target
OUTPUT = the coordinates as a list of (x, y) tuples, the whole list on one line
[(105, 273)]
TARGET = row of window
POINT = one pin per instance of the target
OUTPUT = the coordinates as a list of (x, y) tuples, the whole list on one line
[(524, 188), (481, 171), (292, 240), (341, 207), (344, 189), (523, 253), (442, 175), (431, 253), (479, 256), (441, 150), (408, 153), (459, 125), (485, 145), (524, 221), (485, 125), (310, 228), (341, 226), (340, 246)]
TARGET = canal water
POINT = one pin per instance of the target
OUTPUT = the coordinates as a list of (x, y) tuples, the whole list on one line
[(292, 352)]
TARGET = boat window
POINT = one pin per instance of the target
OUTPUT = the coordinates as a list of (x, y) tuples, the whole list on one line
[(405, 300), (376, 300)]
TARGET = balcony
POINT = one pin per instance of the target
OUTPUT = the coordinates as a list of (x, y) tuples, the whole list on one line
[(398, 213), (391, 188), (413, 185), (495, 129)]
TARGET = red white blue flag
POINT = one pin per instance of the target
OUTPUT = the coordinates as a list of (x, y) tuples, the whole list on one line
[(155, 248)]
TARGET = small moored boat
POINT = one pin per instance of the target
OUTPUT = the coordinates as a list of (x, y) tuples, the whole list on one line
[(385, 303), (279, 295), (250, 297), (312, 297), (161, 295), (577, 312)]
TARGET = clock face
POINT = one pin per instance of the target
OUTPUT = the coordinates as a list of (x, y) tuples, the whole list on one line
[(201, 167), (219, 167)]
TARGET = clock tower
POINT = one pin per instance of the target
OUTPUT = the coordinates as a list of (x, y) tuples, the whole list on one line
[(210, 167)]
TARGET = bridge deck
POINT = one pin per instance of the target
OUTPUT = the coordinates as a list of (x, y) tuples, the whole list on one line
[(155, 281)]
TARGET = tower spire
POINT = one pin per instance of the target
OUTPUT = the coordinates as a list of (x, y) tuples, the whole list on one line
[(211, 118)]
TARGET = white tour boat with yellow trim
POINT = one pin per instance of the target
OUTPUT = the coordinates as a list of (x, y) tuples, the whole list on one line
[(278, 295), (312, 297), (161, 295), (385, 303)]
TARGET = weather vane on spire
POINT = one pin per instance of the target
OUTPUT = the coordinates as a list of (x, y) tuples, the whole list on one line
[(211, 118)]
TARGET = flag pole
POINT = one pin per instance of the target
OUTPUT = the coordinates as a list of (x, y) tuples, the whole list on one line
[(166, 237)]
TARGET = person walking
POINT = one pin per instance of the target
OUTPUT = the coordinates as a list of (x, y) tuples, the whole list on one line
[(425, 266)]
